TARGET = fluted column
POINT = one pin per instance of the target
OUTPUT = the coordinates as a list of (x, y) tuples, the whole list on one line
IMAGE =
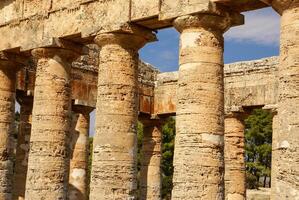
[(21, 161), (8, 71), (114, 166), (150, 172), (234, 157), (285, 161), (48, 164), (198, 155), (79, 152)]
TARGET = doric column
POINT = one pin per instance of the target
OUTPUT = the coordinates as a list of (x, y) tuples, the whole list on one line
[(21, 161), (234, 157), (198, 155), (79, 152), (286, 146), (48, 164), (8, 70), (150, 172), (114, 166), (7, 109)]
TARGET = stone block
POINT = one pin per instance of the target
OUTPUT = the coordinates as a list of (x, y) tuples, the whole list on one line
[(144, 9), (174, 8), (35, 7), (112, 15), (9, 10)]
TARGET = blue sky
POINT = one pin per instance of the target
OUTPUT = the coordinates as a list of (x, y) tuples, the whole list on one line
[(257, 38)]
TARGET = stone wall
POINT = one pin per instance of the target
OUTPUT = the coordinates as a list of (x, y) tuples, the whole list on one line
[(248, 84)]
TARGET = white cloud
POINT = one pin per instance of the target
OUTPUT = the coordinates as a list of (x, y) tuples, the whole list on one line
[(261, 27)]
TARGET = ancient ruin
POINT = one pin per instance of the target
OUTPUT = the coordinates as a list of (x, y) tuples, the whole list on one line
[(61, 59)]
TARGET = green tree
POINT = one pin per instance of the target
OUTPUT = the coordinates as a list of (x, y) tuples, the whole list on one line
[(168, 136), (258, 138)]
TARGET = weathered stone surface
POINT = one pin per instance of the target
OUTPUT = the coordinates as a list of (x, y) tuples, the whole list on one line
[(48, 164), (40, 21), (250, 83), (286, 143), (165, 93), (150, 172), (261, 194), (79, 152), (22, 151), (7, 108), (144, 9), (234, 157), (114, 167), (174, 8), (198, 155)]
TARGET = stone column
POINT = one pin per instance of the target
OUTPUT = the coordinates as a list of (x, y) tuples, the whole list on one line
[(7, 124), (286, 145), (114, 166), (234, 157), (21, 162), (48, 164), (150, 172), (275, 129), (79, 152), (198, 155)]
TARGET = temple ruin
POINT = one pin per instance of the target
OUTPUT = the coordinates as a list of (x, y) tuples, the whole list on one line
[(61, 59)]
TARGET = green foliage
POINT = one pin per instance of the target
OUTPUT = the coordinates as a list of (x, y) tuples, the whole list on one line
[(89, 162), (139, 144), (168, 136), (258, 137)]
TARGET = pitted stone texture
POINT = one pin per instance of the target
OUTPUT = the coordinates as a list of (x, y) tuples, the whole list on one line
[(198, 156), (150, 172), (22, 152), (7, 109), (48, 165), (286, 146), (234, 158), (251, 83), (114, 167), (79, 151)]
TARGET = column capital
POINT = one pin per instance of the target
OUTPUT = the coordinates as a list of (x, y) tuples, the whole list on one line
[(24, 99), (131, 36), (271, 108), (82, 109), (235, 112), (12, 60), (281, 5), (209, 21), (62, 48)]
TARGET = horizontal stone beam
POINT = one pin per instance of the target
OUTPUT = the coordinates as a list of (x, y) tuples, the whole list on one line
[(27, 24), (246, 84)]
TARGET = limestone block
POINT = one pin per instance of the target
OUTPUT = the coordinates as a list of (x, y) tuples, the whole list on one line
[(144, 9), (165, 93), (59, 4), (175, 8), (63, 23), (34, 7), (9, 10), (104, 16)]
